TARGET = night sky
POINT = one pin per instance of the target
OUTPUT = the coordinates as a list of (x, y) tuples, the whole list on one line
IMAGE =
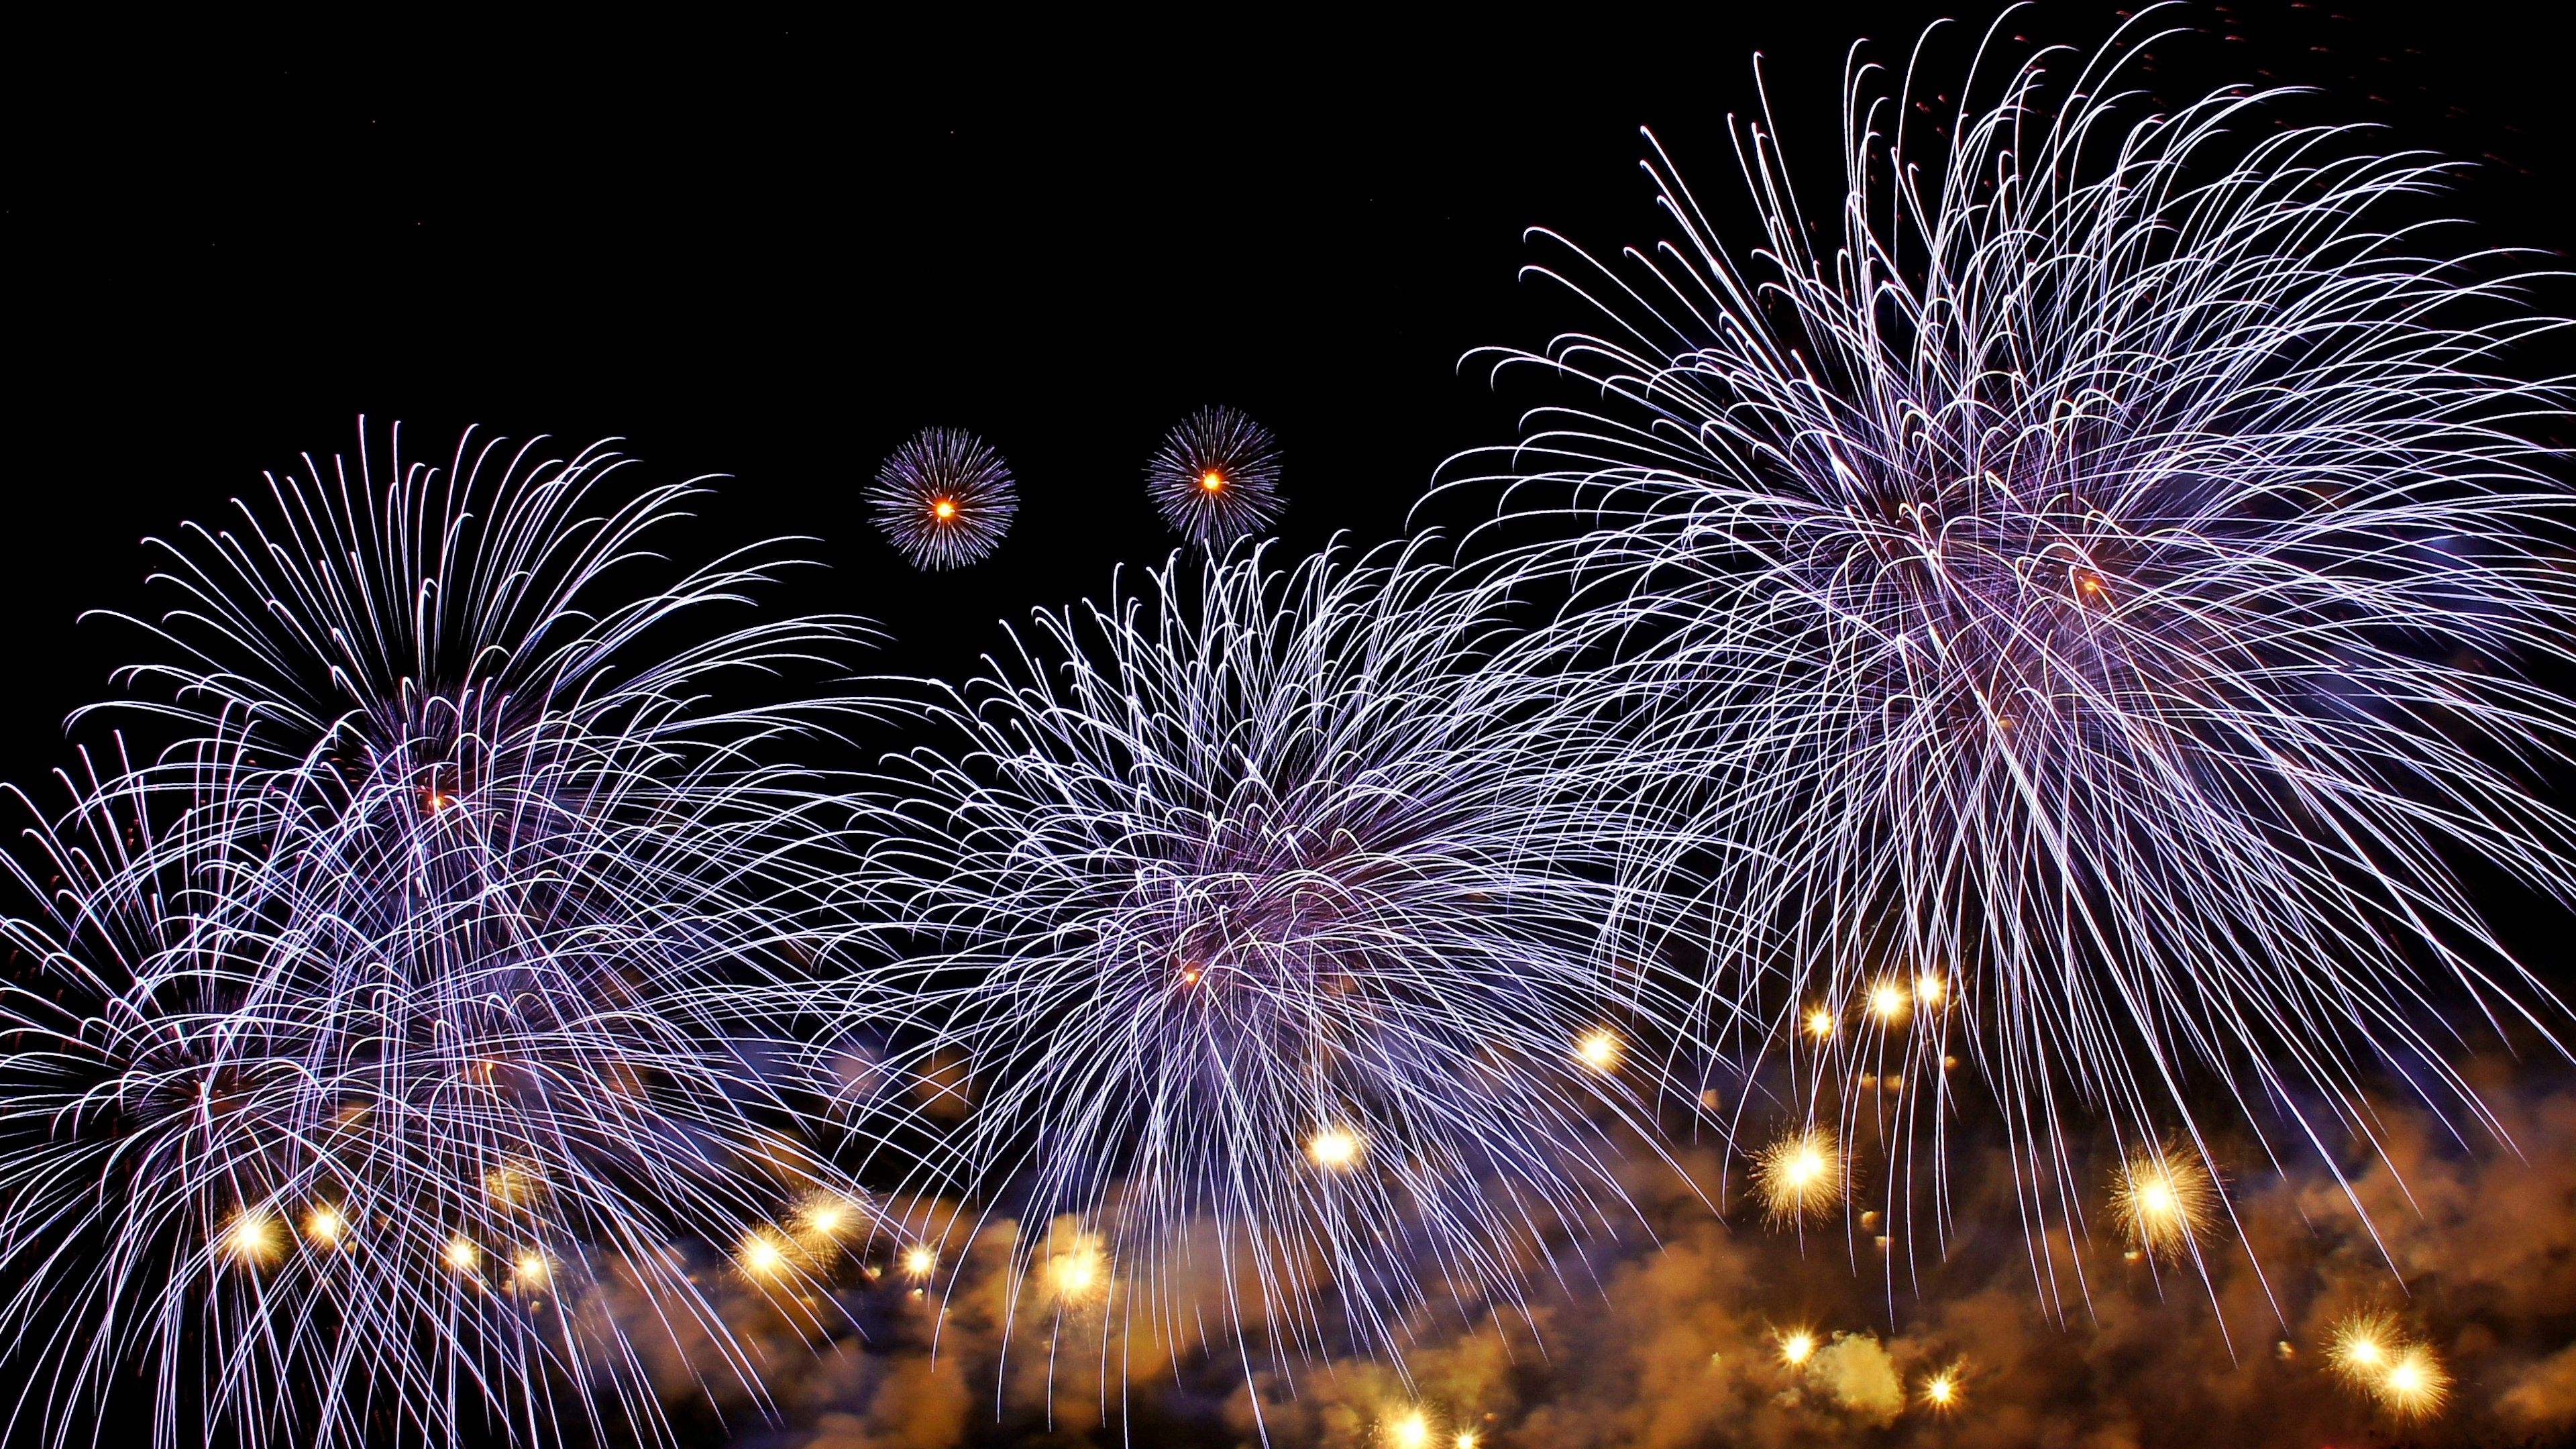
[(770, 248)]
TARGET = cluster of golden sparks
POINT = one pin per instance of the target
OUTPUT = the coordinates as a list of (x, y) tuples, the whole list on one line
[(2371, 1351), (1938, 1390), (1891, 1001), (2164, 1200), (255, 1238), (1803, 1175)]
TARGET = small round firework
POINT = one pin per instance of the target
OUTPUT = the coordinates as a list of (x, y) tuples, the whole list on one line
[(1217, 477), (945, 498)]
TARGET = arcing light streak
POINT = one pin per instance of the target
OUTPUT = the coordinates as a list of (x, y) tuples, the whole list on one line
[(1273, 925), (2097, 561), (394, 1042)]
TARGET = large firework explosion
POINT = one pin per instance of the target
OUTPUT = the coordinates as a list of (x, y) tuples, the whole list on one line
[(2095, 558), (1216, 478), (944, 499), (1286, 945), (395, 1058)]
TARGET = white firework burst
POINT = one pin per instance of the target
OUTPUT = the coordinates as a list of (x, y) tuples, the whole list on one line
[(2097, 563), (1281, 939), (400, 1052)]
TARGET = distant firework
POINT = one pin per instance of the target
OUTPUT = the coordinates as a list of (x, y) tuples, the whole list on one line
[(2101, 578), (1217, 478), (944, 499), (1265, 915)]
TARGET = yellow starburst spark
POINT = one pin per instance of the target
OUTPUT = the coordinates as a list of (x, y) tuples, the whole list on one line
[(1941, 1391), (2362, 1345), (1800, 1176), (1410, 1432), (1820, 1024), (1929, 988), (531, 1270), (918, 1262), (1887, 1001), (251, 1237), (460, 1254), (1598, 1050), (828, 1215), (1077, 1271), (1796, 1347), (1334, 1147), (324, 1226), (2415, 1384), (762, 1257), (2164, 1201)]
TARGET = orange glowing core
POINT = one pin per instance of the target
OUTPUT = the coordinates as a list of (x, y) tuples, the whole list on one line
[(943, 510), (1211, 480)]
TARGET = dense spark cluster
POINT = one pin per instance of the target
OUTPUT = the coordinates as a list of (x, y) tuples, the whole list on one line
[(2369, 1349), (2165, 1202), (1804, 1175), (1277, 929), (391, 1042), (944, 499), (1216, 478), (2095, 561)]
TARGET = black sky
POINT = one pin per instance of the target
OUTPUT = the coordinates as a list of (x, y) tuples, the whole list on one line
[(772, 246)]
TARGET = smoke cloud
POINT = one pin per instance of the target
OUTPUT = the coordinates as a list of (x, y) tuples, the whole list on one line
[(1683, 1337)]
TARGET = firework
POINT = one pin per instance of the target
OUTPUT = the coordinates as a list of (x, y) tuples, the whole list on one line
[(1941, 1391), (2102, 571), (393, 1040), (2369, 1350), (1217, 478), (1802, 1176), (944, 499), (2415, 1385), (1271, 926), (1796, 1347), (2165, 1202)]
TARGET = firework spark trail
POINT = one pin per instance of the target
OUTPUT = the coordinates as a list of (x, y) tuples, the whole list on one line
[(1287, 943), (395, 1036), (2106, 580)]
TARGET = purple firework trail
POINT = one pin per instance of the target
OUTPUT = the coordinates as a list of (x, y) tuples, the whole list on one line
[(393, 1058), (2096, 560), (1287, 946)]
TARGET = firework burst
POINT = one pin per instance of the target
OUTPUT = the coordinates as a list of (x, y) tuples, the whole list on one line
[(1802, 1176), (1217, 478), (394, 1039), (2097, 578), (944, 499), (1275, 930), (2165, 1202)]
